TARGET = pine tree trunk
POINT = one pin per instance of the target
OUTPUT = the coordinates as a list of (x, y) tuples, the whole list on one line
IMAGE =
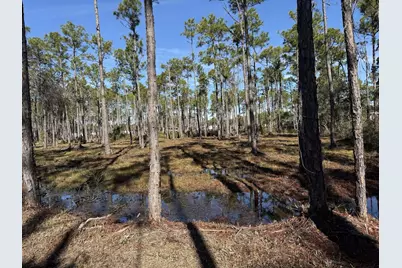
[(53, 123), (28, 160), (180, 116), (128, 120), (44, 128), (68, 127), (367, 85), (36, 121), (206, 121), (86, 130), (227, 133), (197, 97), (247, 81), (356, 112), (172, 127), (217, 109), (77, 124), (106, 143), (374, 74), (166, 120), (310, 146), (268, 110), (154, 198), (280, 105), (99, 121), (330, 84), (139, 115)]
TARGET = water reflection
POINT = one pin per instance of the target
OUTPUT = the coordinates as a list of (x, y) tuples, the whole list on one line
[(249, 208), (373, 206)]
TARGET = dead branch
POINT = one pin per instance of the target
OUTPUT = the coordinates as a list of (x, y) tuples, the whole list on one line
[(92, 219)]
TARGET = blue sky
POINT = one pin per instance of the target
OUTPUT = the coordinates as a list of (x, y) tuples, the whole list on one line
[(44, 16)]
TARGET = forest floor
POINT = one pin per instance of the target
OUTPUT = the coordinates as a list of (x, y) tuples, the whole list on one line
[(51, 237)]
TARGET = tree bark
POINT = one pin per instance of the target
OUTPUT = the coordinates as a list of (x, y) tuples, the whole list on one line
[(367, 84), (28, 160), (227, 133), (53, 123), (247, 79), (206, 120), (44, 128), (68, 127), (310, 146), (329, 74), (180, 116), (374, 77), (354, 87), (106, 143), (128, 119), (154, 198)]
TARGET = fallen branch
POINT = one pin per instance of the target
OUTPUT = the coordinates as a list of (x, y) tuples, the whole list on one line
[(92, 219)]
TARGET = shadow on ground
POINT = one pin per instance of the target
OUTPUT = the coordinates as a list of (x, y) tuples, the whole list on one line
[(362, 249)]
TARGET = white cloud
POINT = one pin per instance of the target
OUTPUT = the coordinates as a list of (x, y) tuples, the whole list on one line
[(171, 51)]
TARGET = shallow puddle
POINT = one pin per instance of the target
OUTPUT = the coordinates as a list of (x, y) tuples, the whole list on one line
[(373, 206), (249, 208)]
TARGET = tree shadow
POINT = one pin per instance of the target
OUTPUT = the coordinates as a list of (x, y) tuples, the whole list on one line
[(140, 226), (124, 175), (53, 259), (361, 248), (223, 157), (32, 224), (204, 255)]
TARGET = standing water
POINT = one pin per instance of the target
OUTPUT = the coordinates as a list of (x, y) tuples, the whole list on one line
[(248, 208)]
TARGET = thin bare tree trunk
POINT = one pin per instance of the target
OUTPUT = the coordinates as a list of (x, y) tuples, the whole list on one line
[(128, 119), (106, 143), (166, 120), (206, 121), (68, 127), (180, 116), (354, 87), (310, 146), (374, 77), (227, 133), (28, 160), (53, 123), (367, 84), (329, 74), (154, 198), (44, 128), (247, 80)]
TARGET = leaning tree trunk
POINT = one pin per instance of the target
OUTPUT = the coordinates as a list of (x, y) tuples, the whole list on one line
[(329, 74), (310, 147), (356, 111), (154, 198), (106, 143), (28, 160)]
